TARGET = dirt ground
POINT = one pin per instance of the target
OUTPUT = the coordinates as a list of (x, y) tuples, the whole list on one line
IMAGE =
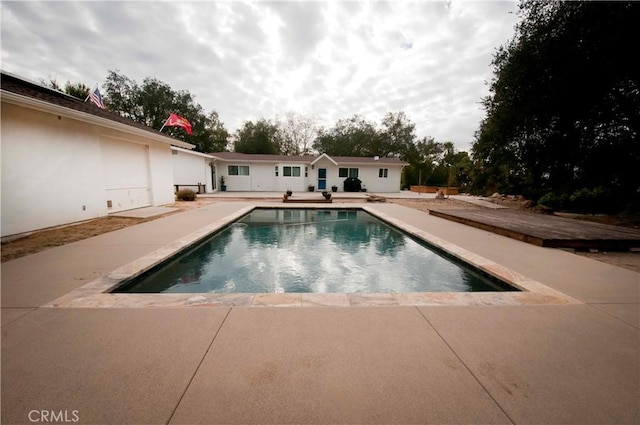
[(39, 241)]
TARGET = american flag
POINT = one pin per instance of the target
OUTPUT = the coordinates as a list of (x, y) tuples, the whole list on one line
[(96, 97)]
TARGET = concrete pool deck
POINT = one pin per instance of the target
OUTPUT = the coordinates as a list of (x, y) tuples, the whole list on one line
[(565, 363)]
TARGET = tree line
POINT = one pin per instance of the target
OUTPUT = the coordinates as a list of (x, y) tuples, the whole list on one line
[(563, 116), (151, 102), (561, 126)]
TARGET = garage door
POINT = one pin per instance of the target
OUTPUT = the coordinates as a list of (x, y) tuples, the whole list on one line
[(126, 174)]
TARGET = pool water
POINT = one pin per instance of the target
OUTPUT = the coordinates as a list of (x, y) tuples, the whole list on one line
[(310, 250)]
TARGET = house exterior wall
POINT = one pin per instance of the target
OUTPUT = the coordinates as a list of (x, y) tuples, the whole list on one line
[(191, 169), (161, 173), (262, 176), (126, 174), (369, 175), (53, 170), (235, 183), (293, 183)]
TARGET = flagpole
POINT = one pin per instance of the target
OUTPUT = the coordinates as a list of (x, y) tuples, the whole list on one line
[(165, 123)]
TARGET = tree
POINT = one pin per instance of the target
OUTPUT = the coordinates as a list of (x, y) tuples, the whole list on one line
[(79, 90), (564, 109), (296, 133), (153, 101), (353, 136), (259, 137), (218, 136), (397, 135), (423, 157)]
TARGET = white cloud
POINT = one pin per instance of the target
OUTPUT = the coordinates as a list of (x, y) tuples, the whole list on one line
[(249, 60)]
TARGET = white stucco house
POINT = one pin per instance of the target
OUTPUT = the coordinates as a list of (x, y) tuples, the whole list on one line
[(65, 160), (269, 173)]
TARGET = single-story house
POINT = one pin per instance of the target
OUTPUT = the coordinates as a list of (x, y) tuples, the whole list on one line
[(192, 170), (65, 160), (279, 173)]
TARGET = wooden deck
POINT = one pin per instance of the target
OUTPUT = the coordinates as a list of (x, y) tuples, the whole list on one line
[(546, 230)]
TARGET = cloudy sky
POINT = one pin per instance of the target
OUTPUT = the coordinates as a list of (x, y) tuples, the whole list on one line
[(249, 60)]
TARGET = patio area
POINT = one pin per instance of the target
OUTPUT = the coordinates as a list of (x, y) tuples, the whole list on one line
[(380, 362)]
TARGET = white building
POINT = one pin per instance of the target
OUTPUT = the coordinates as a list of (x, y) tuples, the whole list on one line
[(65, 160), (278, 173)]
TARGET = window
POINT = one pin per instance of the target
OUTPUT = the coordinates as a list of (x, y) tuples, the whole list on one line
[(306, 171), (238, 170), (383, 172), (291, 171), (348, 172), (276, 171)]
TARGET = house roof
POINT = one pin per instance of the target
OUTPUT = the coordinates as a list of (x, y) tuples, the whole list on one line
[(307, 159), (39, 97), (367, 160), (190, 152), (252, 157)]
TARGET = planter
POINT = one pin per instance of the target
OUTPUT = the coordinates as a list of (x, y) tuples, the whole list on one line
[(334, 188), (312, 188), (223, 188), (289, 193)]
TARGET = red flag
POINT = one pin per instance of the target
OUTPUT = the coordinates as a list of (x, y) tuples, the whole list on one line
[(177, 121)]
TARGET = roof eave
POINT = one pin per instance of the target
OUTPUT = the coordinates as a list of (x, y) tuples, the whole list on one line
[(192, 152), (43, 106), (247, 160), (324, 155)]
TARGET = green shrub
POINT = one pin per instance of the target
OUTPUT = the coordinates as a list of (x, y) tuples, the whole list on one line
[(554, 200), (186, 195), (596, 200)]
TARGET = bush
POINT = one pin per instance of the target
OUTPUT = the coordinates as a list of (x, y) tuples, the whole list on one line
[(596, 200), (554, 200), (186, 195)]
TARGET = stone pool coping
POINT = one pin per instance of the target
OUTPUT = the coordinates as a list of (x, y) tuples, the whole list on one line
[(95, 293)]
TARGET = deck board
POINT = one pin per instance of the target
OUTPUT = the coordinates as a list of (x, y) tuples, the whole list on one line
[(546, 230)]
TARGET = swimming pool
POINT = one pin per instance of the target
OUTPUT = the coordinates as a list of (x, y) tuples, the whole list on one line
[(310, 250)]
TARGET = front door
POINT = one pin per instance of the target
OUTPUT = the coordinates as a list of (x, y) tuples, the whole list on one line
[(322, 179)]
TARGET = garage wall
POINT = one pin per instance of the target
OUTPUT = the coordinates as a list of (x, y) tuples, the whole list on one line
[(126, 174), (53, 170)]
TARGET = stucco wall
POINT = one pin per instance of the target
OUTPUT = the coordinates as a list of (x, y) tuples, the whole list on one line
[(262, 176), (191, 169), (53, 171), (284, 183), (368, 174)]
